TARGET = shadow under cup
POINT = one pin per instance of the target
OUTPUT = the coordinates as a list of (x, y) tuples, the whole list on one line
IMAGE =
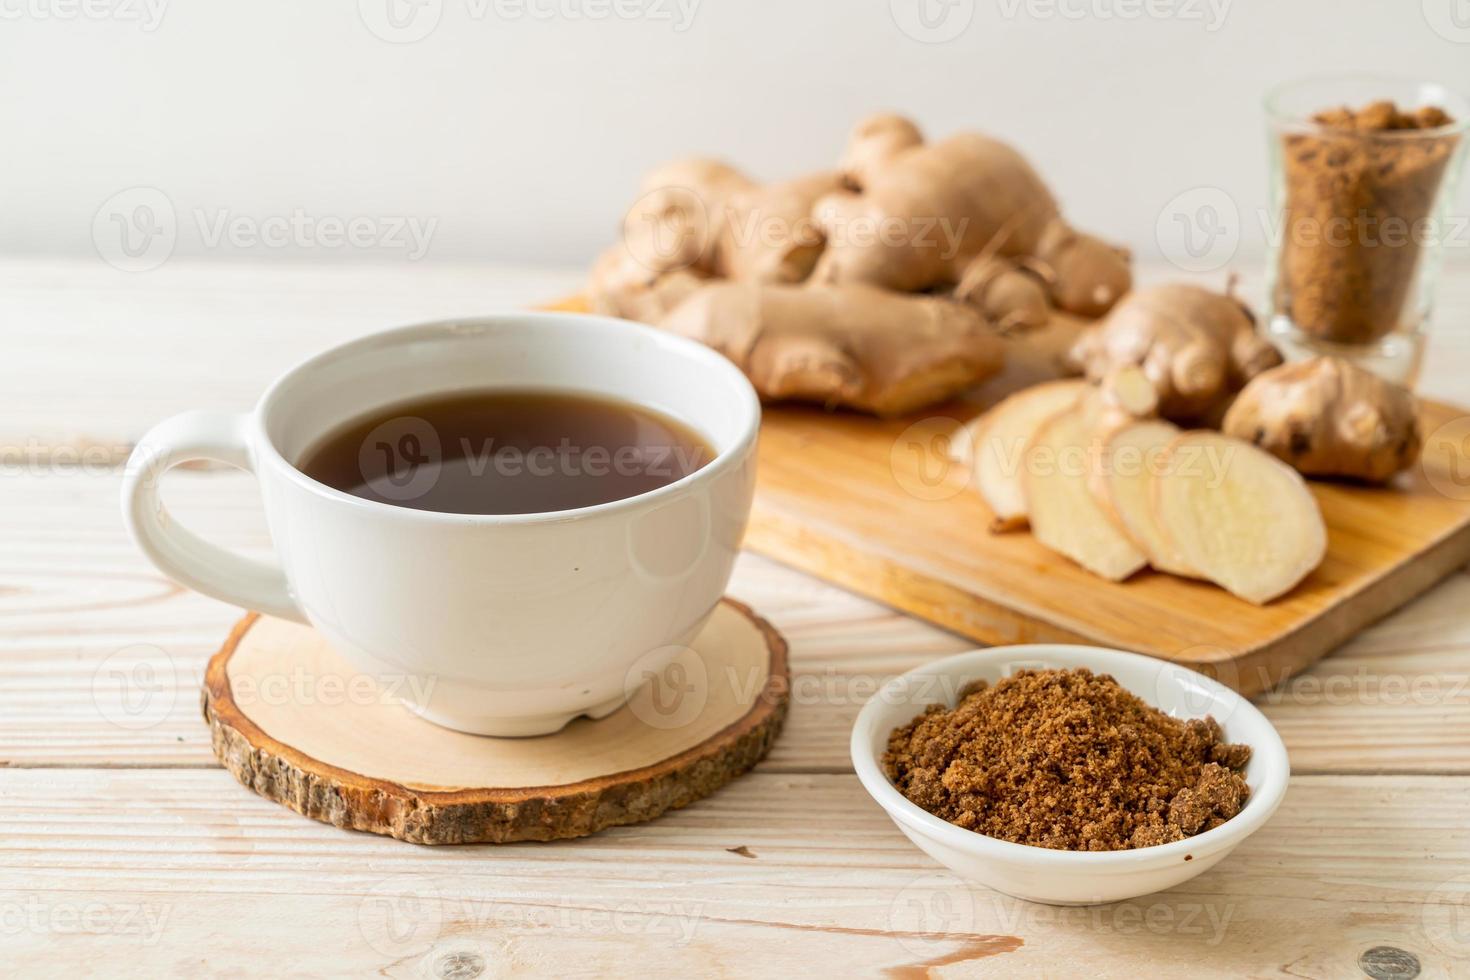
[(511, 624)]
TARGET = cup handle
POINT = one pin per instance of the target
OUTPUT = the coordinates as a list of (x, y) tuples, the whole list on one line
[(178, 552)]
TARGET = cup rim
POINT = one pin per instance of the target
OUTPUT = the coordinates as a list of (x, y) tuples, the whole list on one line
[(1266, 744), (1296, 123), (724, 459)]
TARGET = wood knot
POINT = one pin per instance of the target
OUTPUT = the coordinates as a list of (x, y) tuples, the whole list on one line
[(459, 966), (1389, 963)]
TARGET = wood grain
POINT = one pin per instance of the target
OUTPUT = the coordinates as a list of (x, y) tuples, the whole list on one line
[(80, 609), (1346, 864), (97, 356), (293, 721), (129, 852)]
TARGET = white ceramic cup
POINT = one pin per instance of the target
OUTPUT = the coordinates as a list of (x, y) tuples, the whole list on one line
[(505, 625)]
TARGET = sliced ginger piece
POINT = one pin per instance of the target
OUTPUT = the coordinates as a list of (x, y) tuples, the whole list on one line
[(1122, 482), (1126, 392), (1065, 516), (998, 441), (1121, 398), (1240, 516)]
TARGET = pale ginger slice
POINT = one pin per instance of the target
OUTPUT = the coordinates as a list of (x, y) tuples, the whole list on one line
[(1244, 519), (996, 447), (1327, 417), (997, 441), (1064, 514), (1120, 397), (1122, 482)]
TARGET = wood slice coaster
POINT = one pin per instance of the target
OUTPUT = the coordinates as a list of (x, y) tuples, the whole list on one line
[(298, 725)]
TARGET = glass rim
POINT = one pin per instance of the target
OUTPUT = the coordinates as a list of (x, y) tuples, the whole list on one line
[(1296, 123)]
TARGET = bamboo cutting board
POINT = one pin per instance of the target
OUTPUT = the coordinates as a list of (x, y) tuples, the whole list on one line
[(876, 506)]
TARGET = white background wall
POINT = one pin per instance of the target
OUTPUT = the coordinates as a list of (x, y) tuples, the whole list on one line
[(517, 128)]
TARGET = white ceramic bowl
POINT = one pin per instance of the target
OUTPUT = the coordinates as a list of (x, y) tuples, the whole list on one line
[(1055, 877)]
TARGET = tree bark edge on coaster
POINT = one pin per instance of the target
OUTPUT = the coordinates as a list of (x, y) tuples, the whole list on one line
[(349, 799)]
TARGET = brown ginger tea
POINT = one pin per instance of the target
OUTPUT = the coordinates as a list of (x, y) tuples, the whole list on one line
[(506, 452)]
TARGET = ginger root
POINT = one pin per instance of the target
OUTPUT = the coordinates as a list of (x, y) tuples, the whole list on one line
[(705, 216), (919, 214), (679, 216), (1197, 347), (997, 255), (620, 287), (668, 239), (698, 219), (767, 233), (1011, 296), (1327, 417), (853, 345)]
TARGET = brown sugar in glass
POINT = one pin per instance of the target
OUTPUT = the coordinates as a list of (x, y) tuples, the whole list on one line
[(1363, 172)]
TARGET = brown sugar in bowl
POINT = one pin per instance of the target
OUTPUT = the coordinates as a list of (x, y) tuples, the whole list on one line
[(1063, 877)]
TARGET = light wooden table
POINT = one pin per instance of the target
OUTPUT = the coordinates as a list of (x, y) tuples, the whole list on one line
[(124, 848)]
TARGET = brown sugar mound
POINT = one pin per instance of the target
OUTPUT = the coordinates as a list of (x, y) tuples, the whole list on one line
[(1067, 759)]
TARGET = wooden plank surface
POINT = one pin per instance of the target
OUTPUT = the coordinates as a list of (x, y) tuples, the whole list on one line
[(98, 355), (75, 592), (1348, 863), (128, 852)]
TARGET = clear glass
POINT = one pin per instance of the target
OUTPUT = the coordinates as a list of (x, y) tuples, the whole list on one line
[(1359, 220)]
